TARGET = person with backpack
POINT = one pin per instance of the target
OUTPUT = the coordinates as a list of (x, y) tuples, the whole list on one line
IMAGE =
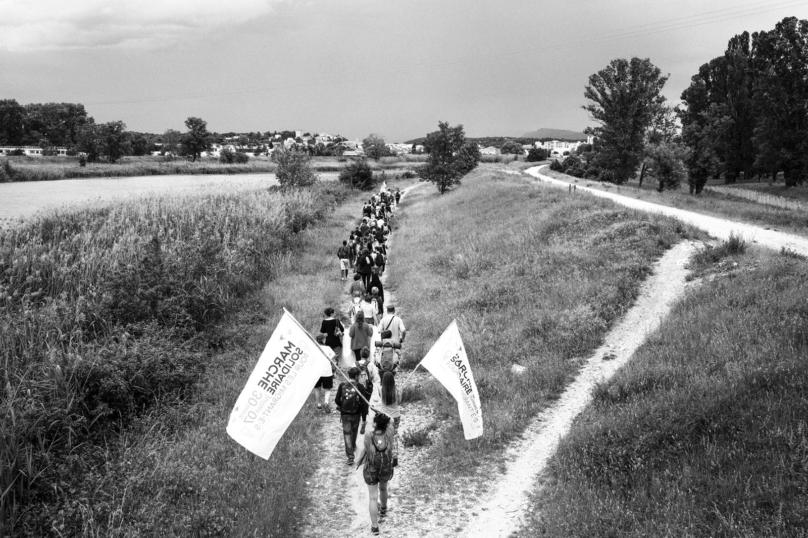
[(377, 302), (398, 196), (379, 459), (351, 400), (363, 267), (360, 333), (381, 262), (344, 255)]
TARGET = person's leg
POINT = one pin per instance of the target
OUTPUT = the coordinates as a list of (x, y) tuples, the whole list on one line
[(358, 354), (373, 506), (355, 419), (317, 397), (347, 435), (383, 497)]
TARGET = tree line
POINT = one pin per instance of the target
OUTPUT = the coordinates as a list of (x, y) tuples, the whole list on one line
[(745, 114)]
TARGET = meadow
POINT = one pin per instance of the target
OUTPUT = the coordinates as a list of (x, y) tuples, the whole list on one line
[(709, 202), (795, 198), (534, 276), (704, 432), (123, 330)]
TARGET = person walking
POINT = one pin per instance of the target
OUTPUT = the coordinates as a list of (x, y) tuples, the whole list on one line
[(363, 266), (357, 288), (369, 310), (361, 334), (351, 400), (344, 255), (381, 455), (391, 322), (331, 331)]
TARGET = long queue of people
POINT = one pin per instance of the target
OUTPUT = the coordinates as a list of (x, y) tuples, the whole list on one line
[(370, 351)]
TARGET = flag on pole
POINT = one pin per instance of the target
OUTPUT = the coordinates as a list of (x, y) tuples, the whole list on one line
[(280, 384), (384, 187), (448, 362)]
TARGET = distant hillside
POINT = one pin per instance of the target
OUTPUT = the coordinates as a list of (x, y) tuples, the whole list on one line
[(555, 134), (486, 141)]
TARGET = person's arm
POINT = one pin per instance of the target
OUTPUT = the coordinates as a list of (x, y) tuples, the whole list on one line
[(398, 396), (402, 329)]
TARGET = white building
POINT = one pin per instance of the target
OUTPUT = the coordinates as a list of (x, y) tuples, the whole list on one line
[(32, 150)]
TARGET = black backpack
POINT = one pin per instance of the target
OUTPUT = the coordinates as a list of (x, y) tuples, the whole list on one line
[(350, 399), (381, 457)]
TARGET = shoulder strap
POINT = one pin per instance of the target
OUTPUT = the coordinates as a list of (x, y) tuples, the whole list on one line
[(390, 323)]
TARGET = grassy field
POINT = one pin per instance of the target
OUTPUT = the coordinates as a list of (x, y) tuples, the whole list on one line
[(799, 193), (534, 277), (705, 431), (708, 203), (120, 369)]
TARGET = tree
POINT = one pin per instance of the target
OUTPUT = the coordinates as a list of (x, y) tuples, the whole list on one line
[(140, 145), (294, 168), (450, 157), (197, 139), (625, 97), (12, 121), (358, 175), (512, 148), (108, 140), (375, 146), (780, 65), (171, 142), (664, 162)]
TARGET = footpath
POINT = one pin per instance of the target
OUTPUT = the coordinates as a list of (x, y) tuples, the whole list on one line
[(718, 227), (338, 491)]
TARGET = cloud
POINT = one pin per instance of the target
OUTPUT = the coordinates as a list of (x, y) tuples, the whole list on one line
[(29, 25)]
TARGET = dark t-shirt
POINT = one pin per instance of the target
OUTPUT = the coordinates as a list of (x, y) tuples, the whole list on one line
[(328, 326)]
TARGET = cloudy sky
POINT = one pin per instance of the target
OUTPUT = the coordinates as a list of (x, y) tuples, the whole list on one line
[(394, 67)]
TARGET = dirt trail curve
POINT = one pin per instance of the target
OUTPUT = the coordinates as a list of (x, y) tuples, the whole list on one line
[(721, 228), (501, 511), (339, 494)]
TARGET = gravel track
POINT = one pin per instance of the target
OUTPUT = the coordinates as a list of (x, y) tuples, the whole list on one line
[(718, 227)]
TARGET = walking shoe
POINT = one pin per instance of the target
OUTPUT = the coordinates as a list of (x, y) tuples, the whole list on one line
[(327, 409), (350, 461), (382, 513), (319, 407), (374, 531)]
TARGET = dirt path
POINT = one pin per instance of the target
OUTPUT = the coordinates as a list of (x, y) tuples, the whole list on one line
[(338, 491), (721, 228), (502, 510)]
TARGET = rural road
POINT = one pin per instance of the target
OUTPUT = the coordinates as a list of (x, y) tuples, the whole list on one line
[(718, 227)]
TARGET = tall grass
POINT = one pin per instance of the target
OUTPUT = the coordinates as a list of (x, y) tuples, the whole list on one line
[(109, 314), (533, 276), (705, 431), (742, 191), (32, 169)]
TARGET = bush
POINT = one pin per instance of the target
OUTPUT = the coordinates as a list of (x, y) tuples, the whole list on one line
[(7, 173), (418, 437), (294, 169), (82, 160), (241, 158), (556, 165), (536, 155), (358, 175)]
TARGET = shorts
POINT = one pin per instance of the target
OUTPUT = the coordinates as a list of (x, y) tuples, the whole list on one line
[(373, 478), (326, 383), (344, 264)]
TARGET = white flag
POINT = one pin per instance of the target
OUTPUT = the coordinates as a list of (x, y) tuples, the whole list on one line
[(280, 384), (384, 187), (448, 362)]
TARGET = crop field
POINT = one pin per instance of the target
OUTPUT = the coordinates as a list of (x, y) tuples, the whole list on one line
[(108, 318)]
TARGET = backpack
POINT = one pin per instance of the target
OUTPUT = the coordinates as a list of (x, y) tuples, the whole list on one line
[(387, 358), (379, 259), (343, 252), (350, 399), (363, 370), (381, 457)]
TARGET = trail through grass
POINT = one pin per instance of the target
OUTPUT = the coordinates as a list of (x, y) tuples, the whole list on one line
[(704, 433), (535, 277)]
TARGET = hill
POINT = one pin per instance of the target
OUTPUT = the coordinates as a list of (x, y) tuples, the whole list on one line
[(555, 134)]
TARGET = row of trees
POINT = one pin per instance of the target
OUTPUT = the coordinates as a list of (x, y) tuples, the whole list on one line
[(743, 114)]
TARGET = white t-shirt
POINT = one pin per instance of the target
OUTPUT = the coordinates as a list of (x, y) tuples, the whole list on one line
[(396, 326), (368, 309)]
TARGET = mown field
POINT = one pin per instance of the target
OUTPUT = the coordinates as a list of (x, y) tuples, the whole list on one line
[(708, 202), (126, 333), (705, 431), (534, 277)]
